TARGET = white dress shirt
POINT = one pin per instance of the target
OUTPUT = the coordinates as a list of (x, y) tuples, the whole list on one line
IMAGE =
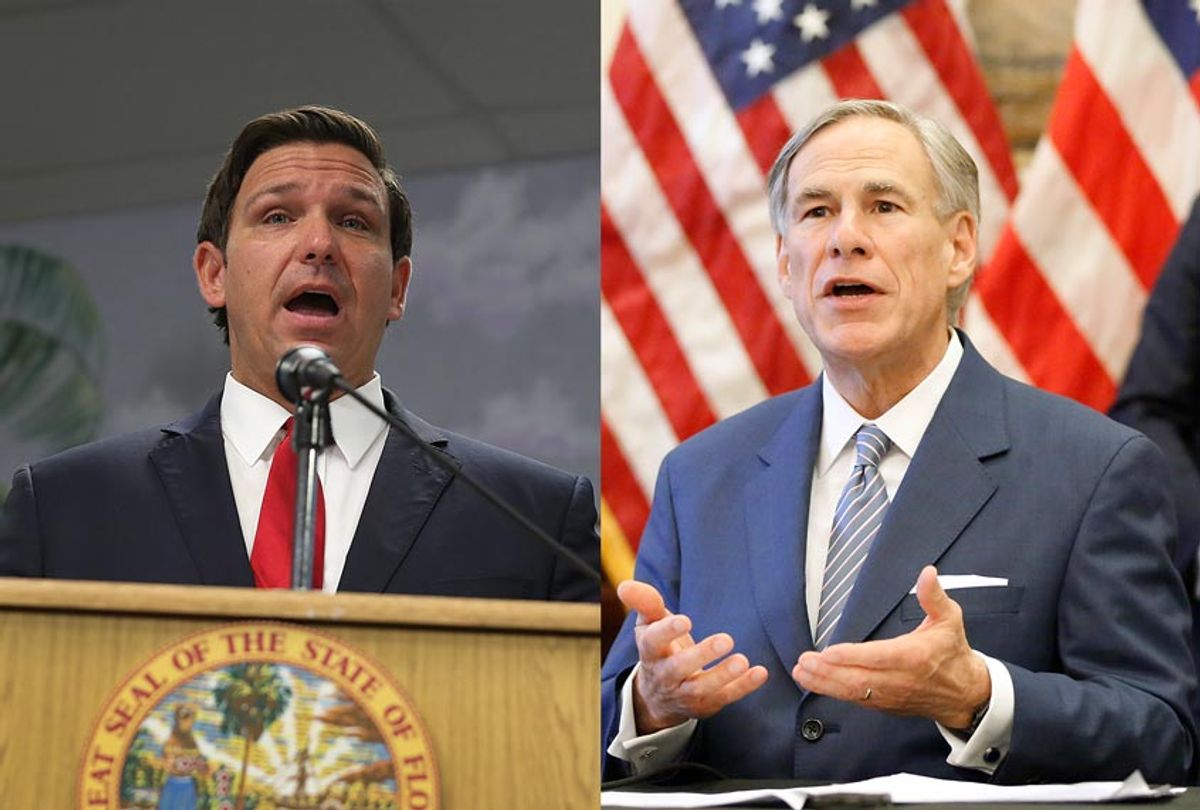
[(252, 426), (905, 424)]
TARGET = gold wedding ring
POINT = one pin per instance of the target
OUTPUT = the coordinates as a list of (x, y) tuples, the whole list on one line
[(867, 696)]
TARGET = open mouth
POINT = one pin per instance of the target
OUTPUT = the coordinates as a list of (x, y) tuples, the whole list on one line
[(313, 303), (841, 290)]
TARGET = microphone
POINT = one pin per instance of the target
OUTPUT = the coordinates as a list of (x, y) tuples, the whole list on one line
[(305, 367)]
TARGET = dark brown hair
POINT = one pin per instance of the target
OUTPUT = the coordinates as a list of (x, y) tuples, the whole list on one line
[(309, 124)]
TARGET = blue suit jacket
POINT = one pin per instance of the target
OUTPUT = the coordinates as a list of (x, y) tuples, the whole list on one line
[(157, 506), (1008, 481)]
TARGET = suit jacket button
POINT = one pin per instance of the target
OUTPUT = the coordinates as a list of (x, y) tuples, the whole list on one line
[(812, 729), (991, 756)]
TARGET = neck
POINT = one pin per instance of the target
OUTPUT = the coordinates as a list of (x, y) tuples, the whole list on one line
[(271, 391), (873, 388)]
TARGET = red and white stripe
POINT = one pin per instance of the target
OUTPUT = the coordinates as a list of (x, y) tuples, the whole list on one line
[(1100, 207)]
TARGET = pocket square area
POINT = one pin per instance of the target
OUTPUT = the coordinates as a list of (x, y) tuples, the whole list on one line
[(951, 582)]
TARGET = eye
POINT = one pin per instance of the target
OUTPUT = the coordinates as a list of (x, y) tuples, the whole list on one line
[(354, 223), (816, 212), (886, 207), (276, 218)]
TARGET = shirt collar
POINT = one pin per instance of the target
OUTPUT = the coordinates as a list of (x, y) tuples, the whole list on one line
[(252, 422), (904, 423)]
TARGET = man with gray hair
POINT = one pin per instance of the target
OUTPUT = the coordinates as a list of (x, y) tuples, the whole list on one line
[(922, 565)]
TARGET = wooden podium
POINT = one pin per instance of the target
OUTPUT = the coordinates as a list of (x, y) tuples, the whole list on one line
[(507, 690)]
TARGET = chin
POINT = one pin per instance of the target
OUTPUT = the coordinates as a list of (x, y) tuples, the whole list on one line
[(853, 340)]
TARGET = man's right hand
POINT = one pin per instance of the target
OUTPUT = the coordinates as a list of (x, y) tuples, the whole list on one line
[(672, 685)]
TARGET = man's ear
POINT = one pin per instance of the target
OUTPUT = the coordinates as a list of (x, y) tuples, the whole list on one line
[(209, 263), (783, 267), (401, 276), (964, 244)]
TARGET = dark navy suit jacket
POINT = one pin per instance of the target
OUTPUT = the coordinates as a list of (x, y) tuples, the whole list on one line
[(157, 506), (1068, 506), (1161, 392)]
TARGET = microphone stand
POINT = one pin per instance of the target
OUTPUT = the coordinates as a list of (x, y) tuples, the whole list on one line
[(311, 434), (442, 459)]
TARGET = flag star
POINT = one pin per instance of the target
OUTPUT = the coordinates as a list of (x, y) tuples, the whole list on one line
[(812, 22), (728, 3), (759, 58), (768, 10), (859, 5)]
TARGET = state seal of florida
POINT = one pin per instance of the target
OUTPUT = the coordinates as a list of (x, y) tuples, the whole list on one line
[(259, 716)]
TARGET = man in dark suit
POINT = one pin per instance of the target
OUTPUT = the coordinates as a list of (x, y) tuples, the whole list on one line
[(922, 565), (304, 238), (1160, 395)]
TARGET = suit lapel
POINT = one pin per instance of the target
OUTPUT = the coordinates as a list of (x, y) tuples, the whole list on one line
[(944, 488), (403, 493), (190, 461), (777, 498)]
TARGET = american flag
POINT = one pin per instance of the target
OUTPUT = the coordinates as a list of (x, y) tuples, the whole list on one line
[(697, 99)]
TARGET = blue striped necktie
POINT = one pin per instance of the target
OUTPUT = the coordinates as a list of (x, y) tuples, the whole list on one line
[(859, 515)]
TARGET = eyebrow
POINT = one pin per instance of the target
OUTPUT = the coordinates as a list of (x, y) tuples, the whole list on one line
[(281, 189), (869, 187), (814, 193), (886, 187)]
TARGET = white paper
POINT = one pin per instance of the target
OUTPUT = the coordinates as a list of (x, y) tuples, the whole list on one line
[(793, 798), (950, 582), (904, 788)]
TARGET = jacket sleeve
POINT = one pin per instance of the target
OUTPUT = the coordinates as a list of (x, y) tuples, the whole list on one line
[(578, 533), (1120, 699), (657, 565), (20, 537)]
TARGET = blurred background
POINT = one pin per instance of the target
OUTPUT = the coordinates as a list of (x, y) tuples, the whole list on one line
[(117, 113)]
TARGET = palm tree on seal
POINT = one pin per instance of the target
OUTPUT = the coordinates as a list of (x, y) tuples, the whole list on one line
[(250, 697), (51, 351)]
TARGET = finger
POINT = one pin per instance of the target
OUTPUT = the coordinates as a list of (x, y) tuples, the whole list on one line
[(740, 686), (932, 597), (660, 639), (688, 661), (841, 682), (891, 653), (644, 599), (707, 686)]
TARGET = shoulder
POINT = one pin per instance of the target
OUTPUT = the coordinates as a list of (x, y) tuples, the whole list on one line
[(1053, 420), (497, 462), (993, 412), (116, 454), (1045, 444), (491, 464), (745, 433)]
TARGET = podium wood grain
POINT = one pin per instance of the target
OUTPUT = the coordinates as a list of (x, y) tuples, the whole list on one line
[(507, 690)]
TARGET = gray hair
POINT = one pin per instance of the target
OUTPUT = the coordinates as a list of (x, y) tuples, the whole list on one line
[(955, 175)]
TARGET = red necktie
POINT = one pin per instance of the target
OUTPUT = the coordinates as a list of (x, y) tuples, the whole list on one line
[(271, 558)]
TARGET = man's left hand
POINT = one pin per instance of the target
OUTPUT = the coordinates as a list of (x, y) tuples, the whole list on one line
[(930, 672)]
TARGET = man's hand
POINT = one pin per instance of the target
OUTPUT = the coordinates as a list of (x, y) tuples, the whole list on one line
[(672, 686), (930, 672)]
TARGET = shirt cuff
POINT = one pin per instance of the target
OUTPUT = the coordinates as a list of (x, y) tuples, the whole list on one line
[(650, 751), (988, 746)]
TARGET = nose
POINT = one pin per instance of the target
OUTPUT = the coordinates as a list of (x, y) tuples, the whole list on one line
[(848, 237), (318, 244)]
